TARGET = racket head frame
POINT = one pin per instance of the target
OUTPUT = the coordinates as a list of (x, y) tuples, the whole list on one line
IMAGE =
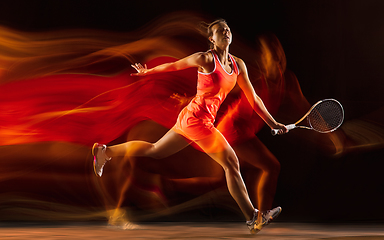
[(340, 121), (295, 125)]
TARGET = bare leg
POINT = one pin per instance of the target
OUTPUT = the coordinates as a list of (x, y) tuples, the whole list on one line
[(218, 148), (169, 144)]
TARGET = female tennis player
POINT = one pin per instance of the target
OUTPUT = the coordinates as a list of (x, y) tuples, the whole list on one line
[(218, 73)]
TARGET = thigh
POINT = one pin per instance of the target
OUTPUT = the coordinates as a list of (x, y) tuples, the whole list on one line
[(218, 148), (170, 143)]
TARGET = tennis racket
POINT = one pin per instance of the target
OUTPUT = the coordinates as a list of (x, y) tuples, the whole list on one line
[(325, 116)]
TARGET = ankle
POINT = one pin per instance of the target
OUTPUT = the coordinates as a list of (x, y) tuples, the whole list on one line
[(254, 216)]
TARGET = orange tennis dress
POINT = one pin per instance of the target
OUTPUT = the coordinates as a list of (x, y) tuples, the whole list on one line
[(196, 120)]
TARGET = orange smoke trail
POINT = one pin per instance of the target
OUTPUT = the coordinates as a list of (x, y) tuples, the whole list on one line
[(32, 55), (27, 55)]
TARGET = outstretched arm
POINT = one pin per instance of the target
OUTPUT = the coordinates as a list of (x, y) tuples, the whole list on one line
[(255, 101), (195, 60)]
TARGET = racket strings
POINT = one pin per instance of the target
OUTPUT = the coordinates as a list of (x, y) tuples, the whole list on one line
[(326, 116)]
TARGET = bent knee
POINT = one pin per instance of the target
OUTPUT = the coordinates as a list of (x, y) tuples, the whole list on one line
[(153, 152), (231, 164)]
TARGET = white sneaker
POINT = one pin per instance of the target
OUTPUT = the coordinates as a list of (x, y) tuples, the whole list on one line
[(261, 220), (99, 158)]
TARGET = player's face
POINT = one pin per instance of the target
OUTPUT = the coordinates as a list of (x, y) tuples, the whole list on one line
[(221, 35)]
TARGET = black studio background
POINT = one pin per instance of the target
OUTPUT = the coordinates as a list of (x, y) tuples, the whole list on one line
[(335, 48)]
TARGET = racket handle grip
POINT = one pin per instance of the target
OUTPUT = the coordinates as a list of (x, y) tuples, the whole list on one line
[(289, 127)]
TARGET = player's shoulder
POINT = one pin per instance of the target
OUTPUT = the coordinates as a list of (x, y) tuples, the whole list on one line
[(207, 55), (204, 57), (238, 60), (240, 63)]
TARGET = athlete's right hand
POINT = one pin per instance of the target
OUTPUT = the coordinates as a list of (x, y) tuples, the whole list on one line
[(141, 70)]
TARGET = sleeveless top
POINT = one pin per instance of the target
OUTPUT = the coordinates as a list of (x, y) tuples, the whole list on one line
[(196, 120)]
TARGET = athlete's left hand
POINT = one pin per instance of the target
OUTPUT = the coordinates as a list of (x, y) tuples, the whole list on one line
[(141, 70)]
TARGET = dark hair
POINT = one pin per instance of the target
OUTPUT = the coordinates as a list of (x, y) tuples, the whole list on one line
[(208, 29)]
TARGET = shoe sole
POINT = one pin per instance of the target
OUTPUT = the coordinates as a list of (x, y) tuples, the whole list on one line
[(254, 230)]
